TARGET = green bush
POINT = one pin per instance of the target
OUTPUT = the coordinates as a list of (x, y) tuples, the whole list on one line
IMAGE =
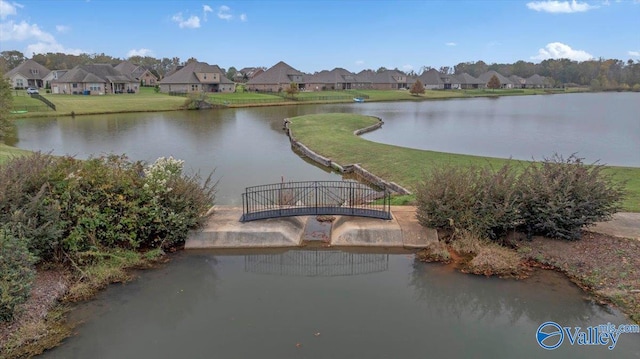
[(28, 207), (16, 274), (476, 199), (62, 207), (560, 197), (554, 198)]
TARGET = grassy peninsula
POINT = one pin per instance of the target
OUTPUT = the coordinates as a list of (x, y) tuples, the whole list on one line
[(331, 135)]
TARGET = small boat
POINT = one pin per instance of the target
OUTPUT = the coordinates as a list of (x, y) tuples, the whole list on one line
[(358, 99), (18, 111)]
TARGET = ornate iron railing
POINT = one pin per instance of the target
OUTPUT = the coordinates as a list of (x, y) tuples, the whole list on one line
[(286, 199)]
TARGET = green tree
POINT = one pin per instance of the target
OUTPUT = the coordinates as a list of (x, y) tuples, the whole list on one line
[(231, 73), (417, 88), (494, 82), (292, 90), (6, 103)]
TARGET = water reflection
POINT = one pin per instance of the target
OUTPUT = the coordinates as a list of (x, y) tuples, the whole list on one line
[(317, 262), (545, 296), (234, 304)]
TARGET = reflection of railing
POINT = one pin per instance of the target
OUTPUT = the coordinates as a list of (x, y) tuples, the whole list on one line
[(316, 263), (314, 198)]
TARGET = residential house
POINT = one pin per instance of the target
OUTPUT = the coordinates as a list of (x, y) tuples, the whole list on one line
[(389, 80), (197, 76), (467, 82), (505, 83), (518, 82), (536, 81), (53, 75), (336, 79), (144, 76), (435, 80), (27, 74), (247, 74), (94, 79), (276, 79)]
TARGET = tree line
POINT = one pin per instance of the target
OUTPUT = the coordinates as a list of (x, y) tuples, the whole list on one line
[(600, 74)]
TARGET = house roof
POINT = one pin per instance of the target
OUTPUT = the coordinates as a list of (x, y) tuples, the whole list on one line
[(30, 70), (517, 80), (388, 77), (466, 79), (365, 76), (536, 80), (485, 77), (277, 74), (136, 71), (187, 74), (96, 73), (431, 77), (335, 76)]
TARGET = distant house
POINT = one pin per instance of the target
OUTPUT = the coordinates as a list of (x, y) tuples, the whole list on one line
[(247, 73), (389, 80), (276, 79), (434, 79), (27, 74), (336, 79), (144, 76), (536, 81), (467, 82), (518, 82), (505, 83), (94, 79), (197, 77), (53, 75)]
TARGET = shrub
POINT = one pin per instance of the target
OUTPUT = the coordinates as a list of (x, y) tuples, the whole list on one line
[(554, 198), (16, 274), (560, 196), (480, 200), (61, 207), (493, 259)]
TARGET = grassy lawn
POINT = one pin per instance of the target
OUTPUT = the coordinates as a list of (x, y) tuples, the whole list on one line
[(331, 135), (145, 101), (8, 152)]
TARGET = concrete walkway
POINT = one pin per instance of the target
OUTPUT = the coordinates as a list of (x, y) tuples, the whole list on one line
[(224, 230), (623, 224)]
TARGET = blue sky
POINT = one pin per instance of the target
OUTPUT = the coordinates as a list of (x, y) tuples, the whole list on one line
[(316, 35)]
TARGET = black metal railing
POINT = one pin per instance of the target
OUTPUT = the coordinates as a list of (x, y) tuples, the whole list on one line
[(46, 102), (286, 199)]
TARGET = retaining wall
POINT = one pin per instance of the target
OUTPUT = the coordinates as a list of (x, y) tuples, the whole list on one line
[(350, 168)]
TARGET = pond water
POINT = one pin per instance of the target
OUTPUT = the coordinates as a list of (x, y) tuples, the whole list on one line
[(602, 127), (338, 304), (319, 303)]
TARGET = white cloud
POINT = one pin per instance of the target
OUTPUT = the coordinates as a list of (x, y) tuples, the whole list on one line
[(206, 9), (407, 67), (63, 28), (224, 13), (7, 9), (243, 17), (360, 62), (22, 31), (558, 50), (140, 52), (560, 7), (451, 44), (634, 53), (193, 22), (44, 47)]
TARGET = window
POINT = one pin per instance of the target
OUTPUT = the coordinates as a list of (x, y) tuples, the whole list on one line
[(75, 86), (19, 83), (94, 87)]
